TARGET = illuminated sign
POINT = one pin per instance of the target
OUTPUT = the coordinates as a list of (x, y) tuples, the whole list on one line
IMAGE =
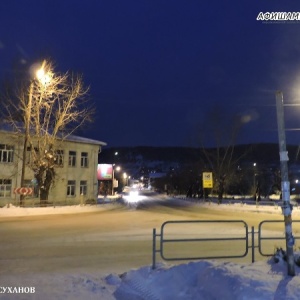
[(104, 172)]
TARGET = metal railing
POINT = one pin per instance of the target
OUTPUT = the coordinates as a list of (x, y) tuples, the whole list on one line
[(166, 238), (262, 237)]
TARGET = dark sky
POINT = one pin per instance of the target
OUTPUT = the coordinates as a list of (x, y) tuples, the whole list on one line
[(157, 69)]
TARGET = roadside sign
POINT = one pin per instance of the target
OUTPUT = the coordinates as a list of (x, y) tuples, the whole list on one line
[(207, 180), (23, 191)]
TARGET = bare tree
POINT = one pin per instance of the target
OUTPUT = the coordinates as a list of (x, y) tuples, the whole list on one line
[(46, 111), (220, 159)]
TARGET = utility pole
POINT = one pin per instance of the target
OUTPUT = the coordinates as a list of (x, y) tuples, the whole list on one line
[(285, 185), (26, 137)]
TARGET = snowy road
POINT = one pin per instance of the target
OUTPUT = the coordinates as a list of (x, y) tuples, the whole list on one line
[(113, 238), (66, 252)]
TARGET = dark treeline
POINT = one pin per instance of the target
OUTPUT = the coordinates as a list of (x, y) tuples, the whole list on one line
[(250, 170)]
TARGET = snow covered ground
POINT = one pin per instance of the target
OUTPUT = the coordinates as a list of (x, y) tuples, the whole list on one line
[(195, 280)]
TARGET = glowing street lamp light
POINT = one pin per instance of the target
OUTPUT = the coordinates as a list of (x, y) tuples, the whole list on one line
[(44, 78)]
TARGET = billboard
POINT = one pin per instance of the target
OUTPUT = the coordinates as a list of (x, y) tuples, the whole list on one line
[(105, 172)]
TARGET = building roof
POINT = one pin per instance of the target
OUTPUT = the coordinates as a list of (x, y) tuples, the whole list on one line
[(79, 139), (71, 138)]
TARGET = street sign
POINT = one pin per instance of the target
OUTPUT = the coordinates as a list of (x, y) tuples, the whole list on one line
[(207, 180), (23, 191)]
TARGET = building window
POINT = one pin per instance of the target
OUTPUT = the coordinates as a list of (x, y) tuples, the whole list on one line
[(28, 155), (5, 188), (6, 153), (72, 158), (31, 155), (59, 155), (83, 187), (84, 159), (71, 188)]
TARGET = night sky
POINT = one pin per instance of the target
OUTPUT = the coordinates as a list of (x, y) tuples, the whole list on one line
[(160, 70)]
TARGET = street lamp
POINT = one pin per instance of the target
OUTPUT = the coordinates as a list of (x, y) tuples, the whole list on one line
[(285, 184), (254, 182), (44, 78), (114, 169), (125, 179)]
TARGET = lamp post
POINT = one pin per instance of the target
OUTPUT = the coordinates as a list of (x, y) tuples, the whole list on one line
[(44, 79), (285, 185), (114, 169), (125, 179), (27, 117), (254, 179)]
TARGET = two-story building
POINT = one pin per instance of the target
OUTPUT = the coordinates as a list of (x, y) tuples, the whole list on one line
[(76, 170)]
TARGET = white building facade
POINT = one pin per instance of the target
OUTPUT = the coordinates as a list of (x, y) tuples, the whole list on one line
[(76, 171)]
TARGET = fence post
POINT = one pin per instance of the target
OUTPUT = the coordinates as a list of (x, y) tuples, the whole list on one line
[(252, 243), (154, 249)]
